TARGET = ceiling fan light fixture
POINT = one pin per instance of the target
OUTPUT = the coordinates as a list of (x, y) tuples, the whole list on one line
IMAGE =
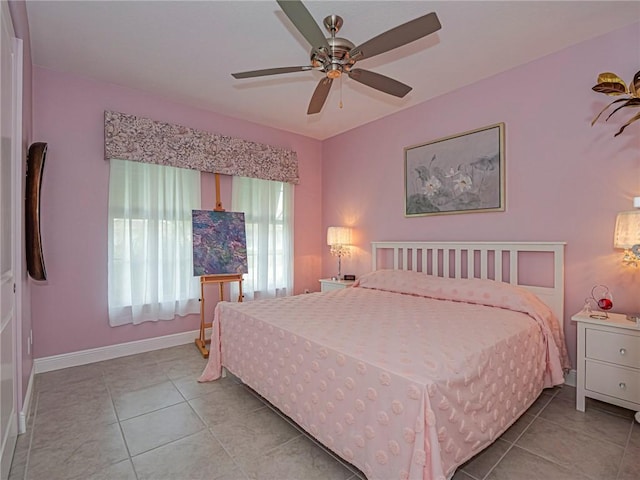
[(335, 71)]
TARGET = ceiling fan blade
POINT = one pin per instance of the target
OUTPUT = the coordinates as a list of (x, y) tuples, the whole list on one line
[(271, 71), (319, 95), (380, 82), (304, 22), (398, 36)]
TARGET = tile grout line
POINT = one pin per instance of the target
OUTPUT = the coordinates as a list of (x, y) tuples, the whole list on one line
[(538, 416), (624, 453), (208, 428), (352, 468), (537, 454), (224, 448), (498, 462), (574, 430), (513, 444), (33, 425), (565, 467), (124, 439)]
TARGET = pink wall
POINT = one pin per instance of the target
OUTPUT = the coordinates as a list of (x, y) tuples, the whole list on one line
[(565, 180), (70, 309)]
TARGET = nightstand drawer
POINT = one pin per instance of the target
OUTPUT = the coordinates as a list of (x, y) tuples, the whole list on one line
[(327, 284), (327, 287), (612, 347), (618, 382)]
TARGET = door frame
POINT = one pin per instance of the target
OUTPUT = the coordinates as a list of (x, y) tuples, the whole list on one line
[(19, 275), (9, 436)]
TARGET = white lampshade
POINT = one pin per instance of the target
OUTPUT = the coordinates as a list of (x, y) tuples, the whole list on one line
[(338, 236), (627, 232)]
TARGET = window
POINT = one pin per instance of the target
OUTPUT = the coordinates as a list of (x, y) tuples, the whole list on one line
[(150, 264), (268, 213)]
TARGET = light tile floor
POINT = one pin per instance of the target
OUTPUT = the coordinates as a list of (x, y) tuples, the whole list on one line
[(146, 417)]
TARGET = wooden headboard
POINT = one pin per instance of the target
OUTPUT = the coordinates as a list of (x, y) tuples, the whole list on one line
[(499, 261)]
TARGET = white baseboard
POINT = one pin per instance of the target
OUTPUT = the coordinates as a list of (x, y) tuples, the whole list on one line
[(23, 416), (570, 379), (83, 357)]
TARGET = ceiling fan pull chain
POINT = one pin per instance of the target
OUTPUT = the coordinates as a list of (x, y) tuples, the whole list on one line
[(340, 91)]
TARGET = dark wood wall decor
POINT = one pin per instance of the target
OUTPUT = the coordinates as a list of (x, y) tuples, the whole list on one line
[(35, 166)]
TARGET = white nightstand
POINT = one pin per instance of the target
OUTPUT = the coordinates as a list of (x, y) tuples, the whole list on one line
[(608, 361), (327, 284)]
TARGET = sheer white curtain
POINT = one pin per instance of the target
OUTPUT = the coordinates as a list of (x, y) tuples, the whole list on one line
[(150, 260), (268, 213)]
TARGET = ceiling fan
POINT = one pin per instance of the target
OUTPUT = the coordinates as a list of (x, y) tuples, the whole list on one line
[(334, 56)]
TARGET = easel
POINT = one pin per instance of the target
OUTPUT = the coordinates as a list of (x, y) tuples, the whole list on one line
[(201, 342)]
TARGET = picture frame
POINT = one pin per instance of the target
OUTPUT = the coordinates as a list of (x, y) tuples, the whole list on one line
[(462, 173)]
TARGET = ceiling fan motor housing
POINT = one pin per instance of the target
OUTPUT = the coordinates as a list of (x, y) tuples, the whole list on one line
[(337, 59)]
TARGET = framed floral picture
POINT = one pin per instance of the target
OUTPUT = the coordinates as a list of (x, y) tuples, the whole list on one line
[(463, 173)]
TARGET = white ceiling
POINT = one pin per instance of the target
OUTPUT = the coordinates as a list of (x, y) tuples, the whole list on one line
[(187, 50)]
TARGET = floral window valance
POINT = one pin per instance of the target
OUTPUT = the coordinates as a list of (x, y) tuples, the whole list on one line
[(128, 137)]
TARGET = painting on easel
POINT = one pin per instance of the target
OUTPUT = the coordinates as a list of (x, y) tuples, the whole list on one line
[(219, 243)]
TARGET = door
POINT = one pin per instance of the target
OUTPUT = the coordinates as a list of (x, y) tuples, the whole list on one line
[(8, 115)]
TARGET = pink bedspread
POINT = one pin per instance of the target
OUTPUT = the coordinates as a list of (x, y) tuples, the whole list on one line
[(399, 384)]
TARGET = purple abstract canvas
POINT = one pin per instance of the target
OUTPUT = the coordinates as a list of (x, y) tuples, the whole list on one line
[(219, 243)]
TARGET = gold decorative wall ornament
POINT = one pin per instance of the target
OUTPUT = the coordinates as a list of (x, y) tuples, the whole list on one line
[(612, 85)]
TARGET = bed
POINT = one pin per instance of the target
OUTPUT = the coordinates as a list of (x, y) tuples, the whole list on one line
[(420, 365)]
